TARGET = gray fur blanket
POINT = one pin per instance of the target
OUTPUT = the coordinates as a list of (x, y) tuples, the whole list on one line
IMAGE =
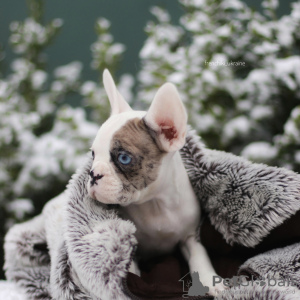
[(80, 249)]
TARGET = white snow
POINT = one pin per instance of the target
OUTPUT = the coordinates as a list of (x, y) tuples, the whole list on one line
[(260, 28), (115, 50), (238, 126), (57, 22), (105, 49), (196, 22), (38, 78), (69, 72), (57, 153), (21, 67), (204, 122), (3, 173), (232, 4), (297, 157), (271, 4), (125, 86), (209, 77), (260, 112), (223, 31), (291, 130), (259, 151), (88, 88), (34, 32), (295, 11), (57, 86), (176, 77), (148, 48), (20, 207), (259, 84), (3, 88), (288, 71), (45, 104), (285, 30), (266, 47), (161, 14), (194, 3), (244, 105), (104, 23)]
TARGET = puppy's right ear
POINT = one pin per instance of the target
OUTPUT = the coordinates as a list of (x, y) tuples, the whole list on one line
[(117, 102), (167, 118)]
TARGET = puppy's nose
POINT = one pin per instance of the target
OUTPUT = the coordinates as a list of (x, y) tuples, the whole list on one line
[(95, 178)]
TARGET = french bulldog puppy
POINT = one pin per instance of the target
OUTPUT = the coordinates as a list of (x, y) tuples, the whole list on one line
[(138, 166)]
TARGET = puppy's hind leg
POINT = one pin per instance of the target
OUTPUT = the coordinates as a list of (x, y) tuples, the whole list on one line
[(27, 260), (198, 260), (26, 246), (134, 268)]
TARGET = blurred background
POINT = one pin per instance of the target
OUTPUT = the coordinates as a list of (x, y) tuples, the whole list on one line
[(236, 64)]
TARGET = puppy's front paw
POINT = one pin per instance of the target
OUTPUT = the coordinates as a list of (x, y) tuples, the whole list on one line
[(215, 288), (218, 289), (133, 268)]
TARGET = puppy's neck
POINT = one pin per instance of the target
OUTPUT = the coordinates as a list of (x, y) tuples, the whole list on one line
[(167, 212), (171, 183)]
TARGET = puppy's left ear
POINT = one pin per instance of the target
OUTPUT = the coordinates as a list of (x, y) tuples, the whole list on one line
[(168, 118), (117, 102)]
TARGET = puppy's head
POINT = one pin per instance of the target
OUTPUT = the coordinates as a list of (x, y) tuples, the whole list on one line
[(130, 146)]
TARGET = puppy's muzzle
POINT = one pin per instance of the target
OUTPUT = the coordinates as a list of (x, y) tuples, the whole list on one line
[(94, 178)]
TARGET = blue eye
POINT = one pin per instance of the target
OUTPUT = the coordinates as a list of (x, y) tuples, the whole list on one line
[(124, 159)]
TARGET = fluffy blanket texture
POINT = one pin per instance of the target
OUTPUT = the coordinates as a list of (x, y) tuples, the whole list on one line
[(81, 249)]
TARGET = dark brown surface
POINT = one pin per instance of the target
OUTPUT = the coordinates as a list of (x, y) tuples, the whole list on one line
[(160, 276)]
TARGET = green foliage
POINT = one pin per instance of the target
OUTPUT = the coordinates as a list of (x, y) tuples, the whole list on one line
[(238, 72), (106, 54), (43, 139)]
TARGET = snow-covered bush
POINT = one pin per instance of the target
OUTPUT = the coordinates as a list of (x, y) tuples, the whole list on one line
[(106, 53), (238, 72), (42, 138)]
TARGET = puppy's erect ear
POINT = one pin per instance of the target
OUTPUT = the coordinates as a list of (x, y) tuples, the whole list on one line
[(168, 118), (117, 102)]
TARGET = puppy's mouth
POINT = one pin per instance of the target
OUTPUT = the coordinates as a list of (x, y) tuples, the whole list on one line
[(92, 192), (94, 195), (122, 201)]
